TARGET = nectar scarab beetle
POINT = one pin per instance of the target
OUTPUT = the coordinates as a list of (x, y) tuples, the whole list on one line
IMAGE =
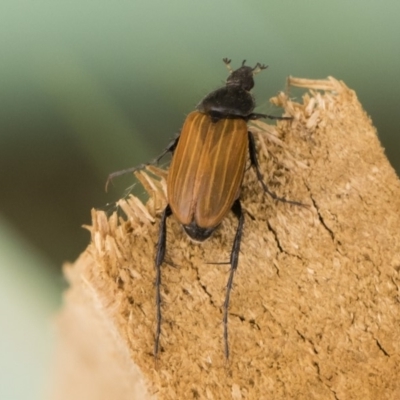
[(206, 172)]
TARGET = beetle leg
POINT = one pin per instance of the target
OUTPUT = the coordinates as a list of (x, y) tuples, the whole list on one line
[(237, 210), (254, 116), (256, 166), (169, 149), (160, 254)]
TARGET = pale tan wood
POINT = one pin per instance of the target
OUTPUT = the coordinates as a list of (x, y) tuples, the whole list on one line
[(315, 309)]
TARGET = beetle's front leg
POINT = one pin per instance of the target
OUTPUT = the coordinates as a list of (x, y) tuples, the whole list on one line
[(254, 116)]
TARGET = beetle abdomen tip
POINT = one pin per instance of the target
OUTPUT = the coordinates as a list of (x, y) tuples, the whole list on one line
[(198, 233)]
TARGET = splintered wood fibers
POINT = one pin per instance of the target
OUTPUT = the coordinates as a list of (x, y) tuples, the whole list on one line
[(315, 307)]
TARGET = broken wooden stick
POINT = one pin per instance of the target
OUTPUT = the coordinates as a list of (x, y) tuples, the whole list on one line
[(315, 307)]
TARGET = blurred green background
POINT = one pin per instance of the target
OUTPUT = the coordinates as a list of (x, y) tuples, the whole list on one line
[(91, 87)]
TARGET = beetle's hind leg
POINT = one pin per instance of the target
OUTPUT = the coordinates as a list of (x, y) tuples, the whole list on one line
[(237, 210), (169, 149), (256, 166), (160, 255)]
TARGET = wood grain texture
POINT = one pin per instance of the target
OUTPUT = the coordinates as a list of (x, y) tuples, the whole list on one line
[(315, 309)]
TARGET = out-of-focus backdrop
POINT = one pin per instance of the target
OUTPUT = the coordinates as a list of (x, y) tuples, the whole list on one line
[(90, 87)]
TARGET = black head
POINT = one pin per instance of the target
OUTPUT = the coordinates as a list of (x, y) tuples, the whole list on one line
[(243, 76), (233, 100)]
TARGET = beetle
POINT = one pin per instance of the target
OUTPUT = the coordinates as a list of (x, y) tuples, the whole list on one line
[(208, 164)]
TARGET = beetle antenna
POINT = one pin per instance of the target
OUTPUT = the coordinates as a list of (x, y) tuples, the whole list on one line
[(258, 68), (227, 62), (243, 62)]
